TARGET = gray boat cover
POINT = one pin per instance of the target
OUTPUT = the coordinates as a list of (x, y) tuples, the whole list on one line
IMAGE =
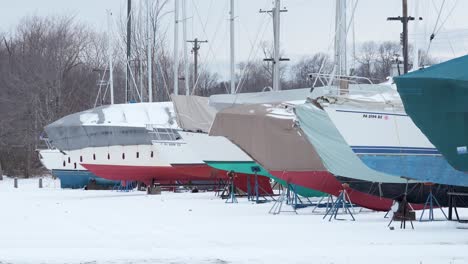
[(222, 101), (118, 124), (193, 113), (332, 148), (267, 132)]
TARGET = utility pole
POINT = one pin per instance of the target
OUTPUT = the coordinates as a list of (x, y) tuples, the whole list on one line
[(232, 46), (129, 43), (275, 12), (404, 36), (195, 49)]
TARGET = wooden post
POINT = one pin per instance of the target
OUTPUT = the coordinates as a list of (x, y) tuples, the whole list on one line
[(40, 183), (15, 182)]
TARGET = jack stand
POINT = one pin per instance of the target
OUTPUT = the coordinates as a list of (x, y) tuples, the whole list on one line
[(232, 192), (389, 210), (256, 170), (343, 201), (430, 202), (249, 189), (329, 201), (403, 213), (278, 205)]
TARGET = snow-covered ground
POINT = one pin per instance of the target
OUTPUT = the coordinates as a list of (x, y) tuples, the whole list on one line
[(51, 225)]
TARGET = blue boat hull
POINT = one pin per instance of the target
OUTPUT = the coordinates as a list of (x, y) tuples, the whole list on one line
[(77, 179), (428, 168)]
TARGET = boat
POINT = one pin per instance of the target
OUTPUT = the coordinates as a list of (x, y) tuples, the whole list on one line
[(435, 98), (112, 142), (372, 134), (269, 133), (195, 116), (69, 175)]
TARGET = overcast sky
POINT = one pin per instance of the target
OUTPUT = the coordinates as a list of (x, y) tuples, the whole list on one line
[(306, 28)]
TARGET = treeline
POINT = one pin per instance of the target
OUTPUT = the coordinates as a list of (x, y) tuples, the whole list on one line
[(53, 66)]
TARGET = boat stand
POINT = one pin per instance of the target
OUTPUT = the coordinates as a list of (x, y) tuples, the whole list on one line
[(403, 213), (431, 199), (232, 189), (343, 201), (328, 203), (255, 195), (277, 207)]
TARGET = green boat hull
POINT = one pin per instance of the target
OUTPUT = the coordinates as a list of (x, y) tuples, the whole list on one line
[(246, 168), (436, 100)]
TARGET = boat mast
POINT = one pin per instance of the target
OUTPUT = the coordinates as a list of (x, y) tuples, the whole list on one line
[(415, 41), (149, 51), (176, 47), (340, 39), (232, 60), (110, 53), (276, 12), (184, 33), (129, 42), (276, 51)]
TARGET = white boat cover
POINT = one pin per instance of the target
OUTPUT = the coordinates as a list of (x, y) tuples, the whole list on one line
[(222, 101), (118, 124), (332, 148), (193, 113)]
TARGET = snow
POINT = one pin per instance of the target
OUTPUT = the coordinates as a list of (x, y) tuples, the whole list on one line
[(52, 225), (138, 115)]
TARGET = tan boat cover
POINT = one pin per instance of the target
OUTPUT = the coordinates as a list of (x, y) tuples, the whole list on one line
[(267, 133), (193, 112)]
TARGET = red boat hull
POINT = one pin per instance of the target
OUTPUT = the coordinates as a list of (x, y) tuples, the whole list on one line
[(240, 181), (200, 170), (144, 174), (326, 182)]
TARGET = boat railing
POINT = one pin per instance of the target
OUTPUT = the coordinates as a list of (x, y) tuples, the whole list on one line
[(325, 79), (352, 87), (162, 133), (45, 140)]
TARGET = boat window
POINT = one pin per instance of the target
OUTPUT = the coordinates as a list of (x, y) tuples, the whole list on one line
[(138, 154), (81, 158), (152, 154), (108, 156), (69, 160), (64, 163), (94, 156), (123, 155), (74, 165)]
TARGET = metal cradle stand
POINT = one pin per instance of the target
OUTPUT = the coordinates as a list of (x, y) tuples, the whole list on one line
[(431, 199), (342, 202), (403, 213), (255, 195), (232, 189), (277, 207), (328, 203)]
